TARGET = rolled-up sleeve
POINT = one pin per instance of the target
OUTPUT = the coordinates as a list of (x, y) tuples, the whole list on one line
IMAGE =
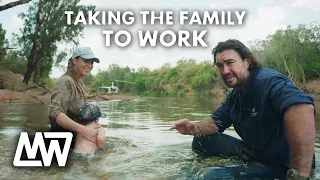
[(62, 95), (284, 93), (221, 116)]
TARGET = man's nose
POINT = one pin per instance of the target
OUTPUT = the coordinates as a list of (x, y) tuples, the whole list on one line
[(225, 70)]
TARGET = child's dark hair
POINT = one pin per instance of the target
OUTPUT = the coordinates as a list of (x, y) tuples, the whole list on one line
[(90, 113)]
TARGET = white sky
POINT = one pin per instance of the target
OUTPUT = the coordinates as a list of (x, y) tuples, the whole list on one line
[(261, 19)]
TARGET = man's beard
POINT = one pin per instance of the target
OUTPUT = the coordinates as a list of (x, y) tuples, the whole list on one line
[(238, 84)]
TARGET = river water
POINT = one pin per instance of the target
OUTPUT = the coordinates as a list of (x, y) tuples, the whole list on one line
[(141, 146)]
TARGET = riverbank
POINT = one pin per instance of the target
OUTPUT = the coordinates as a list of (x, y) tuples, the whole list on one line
[(32, 97), (11, 89)]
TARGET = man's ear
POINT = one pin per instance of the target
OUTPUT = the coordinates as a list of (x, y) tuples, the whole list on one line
[(248, 62)]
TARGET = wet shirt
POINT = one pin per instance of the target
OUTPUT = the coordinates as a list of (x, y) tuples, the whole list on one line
[(66, 99), (257, 114)]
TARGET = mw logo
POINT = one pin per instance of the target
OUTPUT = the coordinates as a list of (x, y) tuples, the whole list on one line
[(39, 143)]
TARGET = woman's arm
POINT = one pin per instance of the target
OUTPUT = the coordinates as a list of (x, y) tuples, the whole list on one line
[(88, 132)]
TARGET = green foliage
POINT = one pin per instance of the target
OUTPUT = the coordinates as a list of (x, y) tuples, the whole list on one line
[(88, 80), (44, 30), (173, 73), (112, 74), (140, 84), (295, 52), (13, 62), (48, 82), (3, 42), (202, 81), (2, 37), (187, 77)]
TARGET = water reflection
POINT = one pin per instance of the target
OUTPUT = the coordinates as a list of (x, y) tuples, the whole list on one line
[(167, 109), (22, 114), (141, 146)]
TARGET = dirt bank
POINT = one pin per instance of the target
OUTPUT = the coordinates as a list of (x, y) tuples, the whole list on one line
[(314, 86), (8, 96)]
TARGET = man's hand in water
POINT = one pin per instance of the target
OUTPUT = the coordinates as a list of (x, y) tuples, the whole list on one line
[(204, 127), (184, 126), (90, 133)]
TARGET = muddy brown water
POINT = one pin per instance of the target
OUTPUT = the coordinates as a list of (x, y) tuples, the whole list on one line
[(141, 145)]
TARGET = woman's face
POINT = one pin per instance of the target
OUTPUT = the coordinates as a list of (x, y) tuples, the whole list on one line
[(83, 66)]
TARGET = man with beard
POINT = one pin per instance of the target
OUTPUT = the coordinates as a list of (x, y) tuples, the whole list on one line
[(275, 120)]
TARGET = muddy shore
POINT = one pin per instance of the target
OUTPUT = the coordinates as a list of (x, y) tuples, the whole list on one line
[(9, 96)]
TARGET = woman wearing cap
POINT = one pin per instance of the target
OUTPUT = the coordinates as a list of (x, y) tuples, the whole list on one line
[(68, 96)]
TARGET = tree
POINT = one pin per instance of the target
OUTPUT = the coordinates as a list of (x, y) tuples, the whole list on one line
[(87, 80), (13, 62), (13, 4), (44, 30), (2, 41), (293, 52), (2, 37)]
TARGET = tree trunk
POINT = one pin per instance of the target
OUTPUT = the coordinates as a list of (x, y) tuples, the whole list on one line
[(30, 66), (32, 56), (37, 65), (288, 70), (13, 4), (304, 84), (39, 59)]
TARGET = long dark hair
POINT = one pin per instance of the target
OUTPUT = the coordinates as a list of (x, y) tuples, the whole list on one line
[(240, 48)]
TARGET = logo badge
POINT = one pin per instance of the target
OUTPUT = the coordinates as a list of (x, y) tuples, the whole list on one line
[(39, 143)]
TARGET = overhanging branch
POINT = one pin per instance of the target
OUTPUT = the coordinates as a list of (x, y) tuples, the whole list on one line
[(13, 4)]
